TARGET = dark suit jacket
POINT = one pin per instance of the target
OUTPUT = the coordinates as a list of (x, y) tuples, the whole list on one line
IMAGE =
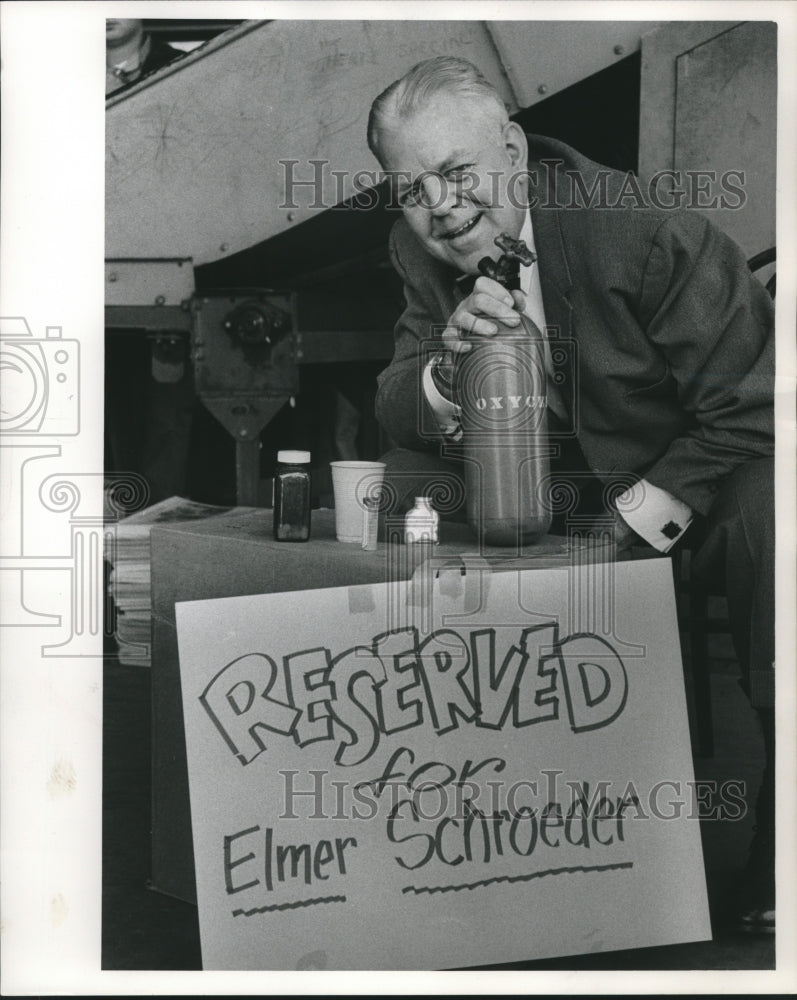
[(160, 54), (672, 336)]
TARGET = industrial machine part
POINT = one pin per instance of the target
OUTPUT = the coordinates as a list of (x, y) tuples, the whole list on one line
[(268, 120), (244, 353), (243, 345)]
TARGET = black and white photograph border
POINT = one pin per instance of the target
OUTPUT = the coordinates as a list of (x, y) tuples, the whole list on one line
[(63, 808)]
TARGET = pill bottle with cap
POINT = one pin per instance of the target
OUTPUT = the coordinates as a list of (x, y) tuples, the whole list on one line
[(292, 496), (422, 523)]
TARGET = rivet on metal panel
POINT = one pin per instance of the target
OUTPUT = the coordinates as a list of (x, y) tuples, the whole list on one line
[(199, 355), (113, 276), (243, 432), (619, 50), (224, 247), (543, 88), (291, 216), (160, 300)]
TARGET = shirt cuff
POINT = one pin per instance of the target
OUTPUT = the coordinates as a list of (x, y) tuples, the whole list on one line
[(445, 412), (654, 514)]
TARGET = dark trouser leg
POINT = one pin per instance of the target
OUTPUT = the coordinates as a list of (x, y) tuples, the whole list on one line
[(757, 896), (738, 554), (148, 423), (168, 419)]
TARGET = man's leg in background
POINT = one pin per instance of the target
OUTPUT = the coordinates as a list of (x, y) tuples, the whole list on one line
[(737, 554)]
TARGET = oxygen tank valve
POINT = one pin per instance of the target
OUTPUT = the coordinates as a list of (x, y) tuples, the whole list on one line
[(505, 269)]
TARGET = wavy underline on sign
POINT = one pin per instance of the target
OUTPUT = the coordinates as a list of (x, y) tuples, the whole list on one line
[(288, 906), (517, 878)]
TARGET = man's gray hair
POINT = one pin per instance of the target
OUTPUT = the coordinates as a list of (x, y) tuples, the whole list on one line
[(411, 92)]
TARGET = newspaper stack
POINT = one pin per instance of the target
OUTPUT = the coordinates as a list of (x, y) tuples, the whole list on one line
[(129, 584)]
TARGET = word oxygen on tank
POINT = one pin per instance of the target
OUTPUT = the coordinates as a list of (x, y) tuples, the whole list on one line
[(398, 682), (510, 402)]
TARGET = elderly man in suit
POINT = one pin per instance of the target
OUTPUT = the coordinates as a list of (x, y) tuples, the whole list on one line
[(672, 341)]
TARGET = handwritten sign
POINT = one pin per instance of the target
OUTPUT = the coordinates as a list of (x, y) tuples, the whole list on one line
[(472, 778)]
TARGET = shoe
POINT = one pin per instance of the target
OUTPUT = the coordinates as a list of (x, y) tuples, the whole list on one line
[(759, 920), (757, 906)]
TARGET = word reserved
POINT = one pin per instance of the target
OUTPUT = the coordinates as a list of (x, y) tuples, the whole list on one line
[(399, 682)]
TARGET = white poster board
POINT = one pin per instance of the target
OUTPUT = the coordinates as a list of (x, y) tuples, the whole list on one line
[(405, 777)]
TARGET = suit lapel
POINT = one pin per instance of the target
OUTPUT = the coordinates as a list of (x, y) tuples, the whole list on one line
[(556, 286), (552, 262)]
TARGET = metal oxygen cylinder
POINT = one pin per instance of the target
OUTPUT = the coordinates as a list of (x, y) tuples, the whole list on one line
[(501, 389)]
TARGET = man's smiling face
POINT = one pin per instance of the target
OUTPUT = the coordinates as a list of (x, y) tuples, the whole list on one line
[(459, 174)]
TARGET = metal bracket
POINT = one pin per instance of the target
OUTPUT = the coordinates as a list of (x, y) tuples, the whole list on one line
[(244, 350)]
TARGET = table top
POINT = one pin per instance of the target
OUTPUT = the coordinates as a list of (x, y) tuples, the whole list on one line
[(235, 553), (254, 525)]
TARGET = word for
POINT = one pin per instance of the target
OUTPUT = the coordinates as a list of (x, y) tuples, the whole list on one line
[(399, 682)]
